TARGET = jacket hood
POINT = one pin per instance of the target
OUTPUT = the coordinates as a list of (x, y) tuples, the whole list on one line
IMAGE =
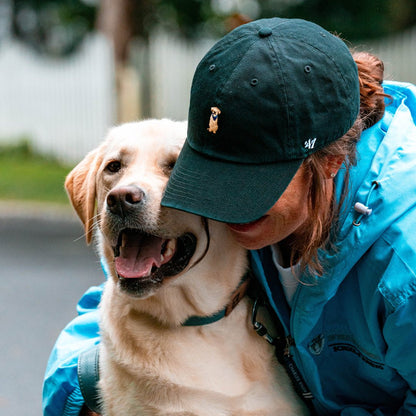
[(383, 180)]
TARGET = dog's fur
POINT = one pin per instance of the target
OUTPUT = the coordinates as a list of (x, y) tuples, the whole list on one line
[(149, 363)]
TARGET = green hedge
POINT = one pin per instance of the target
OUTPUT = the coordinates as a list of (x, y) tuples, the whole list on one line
[(25, 175)]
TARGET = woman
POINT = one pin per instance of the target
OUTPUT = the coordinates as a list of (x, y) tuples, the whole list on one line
[(290, 147), (332, 216)]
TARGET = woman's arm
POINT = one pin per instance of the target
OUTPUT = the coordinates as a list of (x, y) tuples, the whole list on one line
[(61, 391)]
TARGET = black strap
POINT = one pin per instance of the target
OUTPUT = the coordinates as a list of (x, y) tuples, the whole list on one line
[(282, 344), (88, 377)]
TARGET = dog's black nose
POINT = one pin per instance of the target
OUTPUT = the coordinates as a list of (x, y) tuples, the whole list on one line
[(124, 199)]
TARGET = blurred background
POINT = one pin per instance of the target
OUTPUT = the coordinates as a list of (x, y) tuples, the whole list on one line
[(70, 69)]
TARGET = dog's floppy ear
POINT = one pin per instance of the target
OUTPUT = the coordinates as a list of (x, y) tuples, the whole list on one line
[(81, 188)]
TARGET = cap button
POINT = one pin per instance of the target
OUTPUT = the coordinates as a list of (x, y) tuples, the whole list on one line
[(264, 32)]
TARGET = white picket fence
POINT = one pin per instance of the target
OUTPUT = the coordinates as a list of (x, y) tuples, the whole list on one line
[(172, 65), (66, 106)]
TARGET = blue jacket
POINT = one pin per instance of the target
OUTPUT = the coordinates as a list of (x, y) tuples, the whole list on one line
[(355, 328)]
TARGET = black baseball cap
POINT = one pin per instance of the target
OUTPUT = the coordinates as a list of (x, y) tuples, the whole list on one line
[(265, 96)]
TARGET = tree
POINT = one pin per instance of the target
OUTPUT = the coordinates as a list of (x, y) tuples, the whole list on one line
[(58, 27), (53, 27), (357, 20)]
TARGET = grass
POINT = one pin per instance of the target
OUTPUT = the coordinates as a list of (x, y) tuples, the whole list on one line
[(25, 175)]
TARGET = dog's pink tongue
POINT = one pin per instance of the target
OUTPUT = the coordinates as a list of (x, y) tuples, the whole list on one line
[(138, 254)]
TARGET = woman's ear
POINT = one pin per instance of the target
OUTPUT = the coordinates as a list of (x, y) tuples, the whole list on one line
[(332, 165)]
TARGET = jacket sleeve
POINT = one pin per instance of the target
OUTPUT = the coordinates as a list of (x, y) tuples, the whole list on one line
[(61, 391)]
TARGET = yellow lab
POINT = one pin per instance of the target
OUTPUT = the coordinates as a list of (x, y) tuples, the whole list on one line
[(167, 348)]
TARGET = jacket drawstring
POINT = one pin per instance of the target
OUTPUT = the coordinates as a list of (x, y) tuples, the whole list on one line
[(364, 209)]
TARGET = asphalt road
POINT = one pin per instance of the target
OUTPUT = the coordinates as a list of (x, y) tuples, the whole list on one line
[(45, 267)]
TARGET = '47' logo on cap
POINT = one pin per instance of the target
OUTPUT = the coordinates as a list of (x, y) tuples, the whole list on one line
[(310, 143), (213, 120)]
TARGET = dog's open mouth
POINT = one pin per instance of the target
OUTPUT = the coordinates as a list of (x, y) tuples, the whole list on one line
[(142, 260)]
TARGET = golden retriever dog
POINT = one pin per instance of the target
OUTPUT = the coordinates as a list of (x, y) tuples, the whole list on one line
[(169, 271)]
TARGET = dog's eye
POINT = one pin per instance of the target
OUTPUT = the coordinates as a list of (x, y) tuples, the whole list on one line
[(168, 166), (113, 166)]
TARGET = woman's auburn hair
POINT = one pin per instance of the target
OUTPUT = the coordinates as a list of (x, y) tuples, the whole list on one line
[(322, 219)]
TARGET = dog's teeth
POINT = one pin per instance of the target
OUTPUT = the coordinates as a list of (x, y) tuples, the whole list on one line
[(148, 273), (162, 258), (170, 248)]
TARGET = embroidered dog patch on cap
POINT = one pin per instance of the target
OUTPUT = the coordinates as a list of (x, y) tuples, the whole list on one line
[(213, 120)]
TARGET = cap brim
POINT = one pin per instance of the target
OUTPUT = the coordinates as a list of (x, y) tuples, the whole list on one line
[(226, 191)]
